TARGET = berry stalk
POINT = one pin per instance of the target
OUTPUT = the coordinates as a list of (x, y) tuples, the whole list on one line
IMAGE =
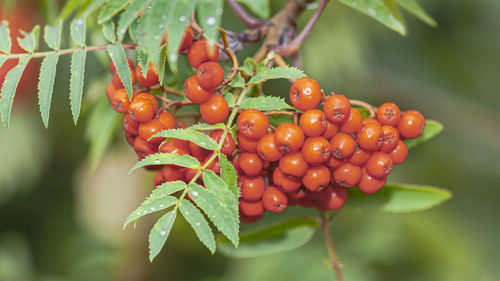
[(325, 226)]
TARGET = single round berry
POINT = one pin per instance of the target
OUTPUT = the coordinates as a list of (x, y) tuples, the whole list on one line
[(158, 179), (337, 108), (370, 120), (119, 100), (369, 184), (250, 164), (334, 162), (176, 146), (252, 123), (173, 173), (286, 182), (141, 110), (316, 150), (194, 92), (316, 178), (398, 154), (335, 197), (151, 77), (347, 175), (353, 124), (117, 81), (412, 124), (342, 146), (305, 93), (250, 219), (229, 146), (143, 148), (274, 200), (359, 157), (148, 96), (129, 125), (379, 165), (201, 51), (110, 89), (390, 139), (313, 122), (197, 151), (389, 114), (210, 75), (215, 110), (331, 130), (214, 166), (247, 144), (187, 39), (112, 67), (251, 208), (252, 188), (293, 164), (289, 137), (150, 128), (130, 138), (268, 149), (371, 137), (167, 120)]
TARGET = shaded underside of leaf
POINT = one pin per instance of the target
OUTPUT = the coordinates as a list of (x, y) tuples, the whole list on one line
[(160, 232), (9, 89), (46, 85), (76, 82), (199, 224)]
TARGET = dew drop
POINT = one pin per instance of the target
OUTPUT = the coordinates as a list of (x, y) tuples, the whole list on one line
[(152, 208), (161, 25), (197, 224), (163, 233), (161, 205), (182, 18), (210, 21), (195, 193), (173, 57), (186, 213), (79, 21), (372, 12), (219, 11), (157, 162), (123, 30)]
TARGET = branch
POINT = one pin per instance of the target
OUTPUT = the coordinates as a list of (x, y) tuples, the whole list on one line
[(372, 109), (66, 51), (294, 46), (244, 17), (325, 225)]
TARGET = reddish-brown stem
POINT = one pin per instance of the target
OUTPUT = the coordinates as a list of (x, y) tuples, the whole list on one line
[(294, 46), (67, 51), (325, 225), (289, 113), (244, 17), (372, 109)]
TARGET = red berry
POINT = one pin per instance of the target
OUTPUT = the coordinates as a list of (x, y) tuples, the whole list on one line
[(370, 138), (167, 120), (176, 146), (252, 123), (201, 51), (335, 197), (305, 93), (342, 146), (334, 162), (247, 144), (150, 128), (194, 92), (316, 150), (288, 137), (129, 125), (331, 130), (390, 138), (252, 188), (187, 39), (117, 82), (250, 164), (313, 122), (210, 75), (316, 178), (112, 68), (130, 138), (151, 78), (286, 182), (268, 149), (337, 108), (353, 124), (369, 184), (412, 124), (359, 157), (173, 173), (228, 146), (215, 110), (274, 200), (198, 152), (398, 155), (347, 175), (141, 110), (148, 96), (389, 114), (379, 164), (119, 100), (143, 148), (293, 164), (251, 208)]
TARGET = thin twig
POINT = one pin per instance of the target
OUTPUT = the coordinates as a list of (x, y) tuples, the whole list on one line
[(325, 225), (372, 109), (280, 61), (66, 51), (178, 103), (294, 46), (244, 17), (275, 112)]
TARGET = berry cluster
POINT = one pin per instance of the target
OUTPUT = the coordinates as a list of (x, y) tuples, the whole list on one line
[(312, 163)]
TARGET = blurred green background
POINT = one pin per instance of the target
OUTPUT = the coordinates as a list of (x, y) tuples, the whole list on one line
[(62, 215)]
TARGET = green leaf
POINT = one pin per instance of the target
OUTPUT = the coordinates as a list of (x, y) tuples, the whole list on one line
[(228, 175), (206, 127), (154, 22), (280, 237), (217, 186), (160, 232), (129, 15), (167, 188), (249, 66), (5, 43), (400, 198), (112, 8), (119, 58), (276, 73), (100, 129), (69, 7), (178, 20), (276, 120), (150, 205), (432, 129), (168, 159), (108, 30), (52, 36), (196, 137), (229, 97), (199, 224), (30, 41), (216, 209), (266, 103), (9, 89), (414, 8), (238, 81), (77, 30), (76, 81), (209, 14), (46, 85), (383, 11), (161, 71), (3, 58), (259, 7)]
